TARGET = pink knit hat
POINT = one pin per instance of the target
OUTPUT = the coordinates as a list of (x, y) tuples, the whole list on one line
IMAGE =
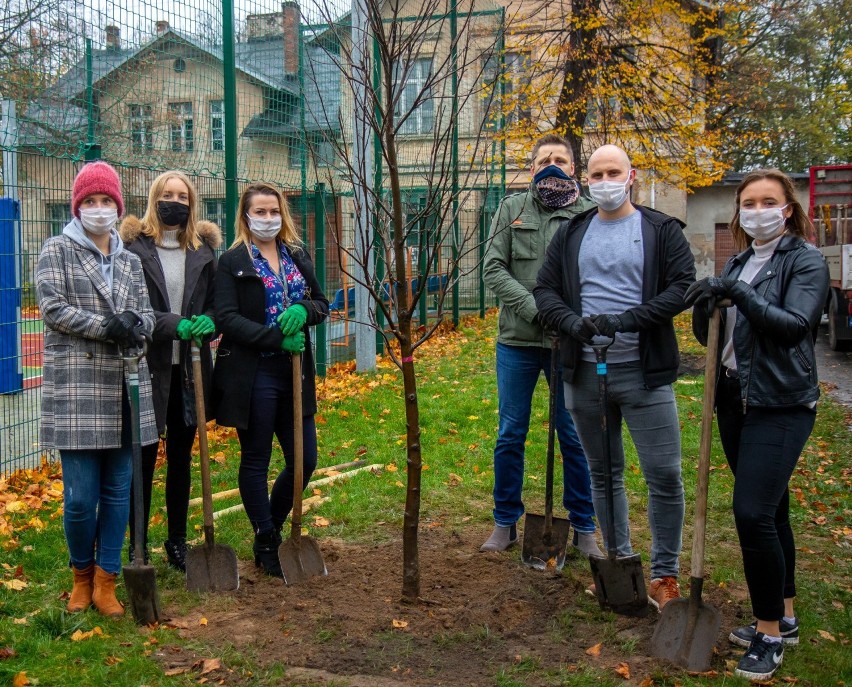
[(96, 177)]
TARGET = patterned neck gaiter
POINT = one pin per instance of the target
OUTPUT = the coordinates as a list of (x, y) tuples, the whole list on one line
[(555, 188)]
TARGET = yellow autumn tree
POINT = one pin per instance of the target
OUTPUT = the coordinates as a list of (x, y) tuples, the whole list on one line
[(634, 73)]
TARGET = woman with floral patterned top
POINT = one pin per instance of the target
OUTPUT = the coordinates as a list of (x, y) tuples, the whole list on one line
[(267, 296)]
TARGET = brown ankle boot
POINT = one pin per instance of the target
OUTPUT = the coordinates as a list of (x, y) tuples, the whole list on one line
[(81, 594), (104, 594)]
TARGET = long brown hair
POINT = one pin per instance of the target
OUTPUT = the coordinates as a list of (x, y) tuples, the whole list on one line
[(243, 234), (796, 224), (152, 225)]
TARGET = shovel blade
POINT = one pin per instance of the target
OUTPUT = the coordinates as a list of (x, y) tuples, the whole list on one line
[(686, 634), (212, 569), (300, 560), (544, 550), (143, 597), (620, 584)]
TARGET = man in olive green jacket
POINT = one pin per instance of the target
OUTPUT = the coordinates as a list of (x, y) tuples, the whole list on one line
[(520, 233)]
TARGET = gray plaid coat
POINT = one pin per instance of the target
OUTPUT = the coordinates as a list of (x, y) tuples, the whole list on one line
[(84, 373)]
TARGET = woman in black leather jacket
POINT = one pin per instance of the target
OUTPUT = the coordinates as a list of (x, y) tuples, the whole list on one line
[(766, 394)]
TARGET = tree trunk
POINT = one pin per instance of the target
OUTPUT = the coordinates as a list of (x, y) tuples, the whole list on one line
[(573, 104), (411, 521)]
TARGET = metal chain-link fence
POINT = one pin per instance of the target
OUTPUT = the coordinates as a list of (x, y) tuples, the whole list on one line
[(230, 95)]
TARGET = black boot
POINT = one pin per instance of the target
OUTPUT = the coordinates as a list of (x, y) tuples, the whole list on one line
[(131, 552), (266, 552), (176, 553)]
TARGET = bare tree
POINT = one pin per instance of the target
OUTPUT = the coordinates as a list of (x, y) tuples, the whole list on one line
[(420, 84), (38, 42)]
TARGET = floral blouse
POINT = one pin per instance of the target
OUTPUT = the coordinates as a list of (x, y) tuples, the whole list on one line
[(282, 289)]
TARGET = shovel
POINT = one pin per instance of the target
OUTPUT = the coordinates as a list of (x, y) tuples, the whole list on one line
[(687, 631), (300, 556), (139, 579), (619, 582), (210, 567), (546, 537)]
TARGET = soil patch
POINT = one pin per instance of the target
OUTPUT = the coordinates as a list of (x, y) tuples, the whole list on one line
[(480, 614)]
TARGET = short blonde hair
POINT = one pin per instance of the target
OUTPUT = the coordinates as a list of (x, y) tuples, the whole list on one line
[(153, 226), (288, 232)]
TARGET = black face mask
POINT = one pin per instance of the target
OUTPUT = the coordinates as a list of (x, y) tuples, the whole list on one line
[(172, 213)]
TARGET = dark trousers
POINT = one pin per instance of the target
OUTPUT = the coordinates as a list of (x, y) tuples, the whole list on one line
[(763, 446), (179, 440), (271, 414)]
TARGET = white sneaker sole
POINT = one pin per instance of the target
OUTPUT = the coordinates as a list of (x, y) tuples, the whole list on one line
[(745, 644)]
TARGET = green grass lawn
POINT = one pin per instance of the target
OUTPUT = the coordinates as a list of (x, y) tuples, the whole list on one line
[(362, 417)]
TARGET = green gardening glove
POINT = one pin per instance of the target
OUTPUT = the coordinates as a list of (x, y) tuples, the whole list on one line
[(294, 343), (202, 326), (293, 319), (184, 329)]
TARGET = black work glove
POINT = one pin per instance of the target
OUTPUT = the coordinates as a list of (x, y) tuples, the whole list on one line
[(708, 291), (139, 336), (583, 329), (608, 325), (120, 328)]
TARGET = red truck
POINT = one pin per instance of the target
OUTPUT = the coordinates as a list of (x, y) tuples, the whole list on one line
[(830, 209)]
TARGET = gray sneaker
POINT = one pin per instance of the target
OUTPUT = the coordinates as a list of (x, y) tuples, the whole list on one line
[(501, 538), (585, 543), (744, 636)]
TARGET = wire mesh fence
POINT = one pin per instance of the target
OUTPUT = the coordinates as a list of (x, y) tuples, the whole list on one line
[(229, 94)]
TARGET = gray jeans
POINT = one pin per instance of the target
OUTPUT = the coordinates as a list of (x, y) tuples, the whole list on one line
[(651, 417)]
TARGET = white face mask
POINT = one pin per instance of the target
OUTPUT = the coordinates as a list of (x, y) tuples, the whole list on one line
[(609, 195), (98, 220), (763, 224), (264, 229)]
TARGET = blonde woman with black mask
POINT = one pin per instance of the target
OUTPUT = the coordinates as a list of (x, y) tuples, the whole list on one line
[(179, 262)]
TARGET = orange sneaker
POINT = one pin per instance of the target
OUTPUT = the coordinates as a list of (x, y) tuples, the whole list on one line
[(663, 590)]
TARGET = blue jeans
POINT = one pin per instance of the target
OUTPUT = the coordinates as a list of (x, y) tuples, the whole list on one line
[(96, 485), (518, 371), (271, 414), (651, 417)]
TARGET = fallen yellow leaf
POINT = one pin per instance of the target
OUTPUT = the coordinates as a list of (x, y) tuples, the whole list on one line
[(826, 635), (390, 467), (623, 669), (208, 665), (203, 621), (79, 635), (595, 650), (399, 624), (21, 680), (16, 585), (321, 522)]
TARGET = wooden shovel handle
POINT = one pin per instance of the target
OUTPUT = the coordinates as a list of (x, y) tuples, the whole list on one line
[(298, 451), (204, 454), (710, 371)]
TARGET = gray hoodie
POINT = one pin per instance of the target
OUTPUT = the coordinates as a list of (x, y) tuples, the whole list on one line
[(75, 231)]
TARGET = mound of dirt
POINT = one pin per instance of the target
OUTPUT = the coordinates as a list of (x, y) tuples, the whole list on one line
[(479, 614)]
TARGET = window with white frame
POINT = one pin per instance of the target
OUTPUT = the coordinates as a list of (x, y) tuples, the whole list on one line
[(415, 100), (181, 129), (217, 125), (214, 210), (141, 132)]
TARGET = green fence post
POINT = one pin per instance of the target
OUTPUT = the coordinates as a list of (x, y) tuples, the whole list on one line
[(454, 153), (422, 253), (377, 192), (483, 229), (229, 66), (93, 151), (319, 261)]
